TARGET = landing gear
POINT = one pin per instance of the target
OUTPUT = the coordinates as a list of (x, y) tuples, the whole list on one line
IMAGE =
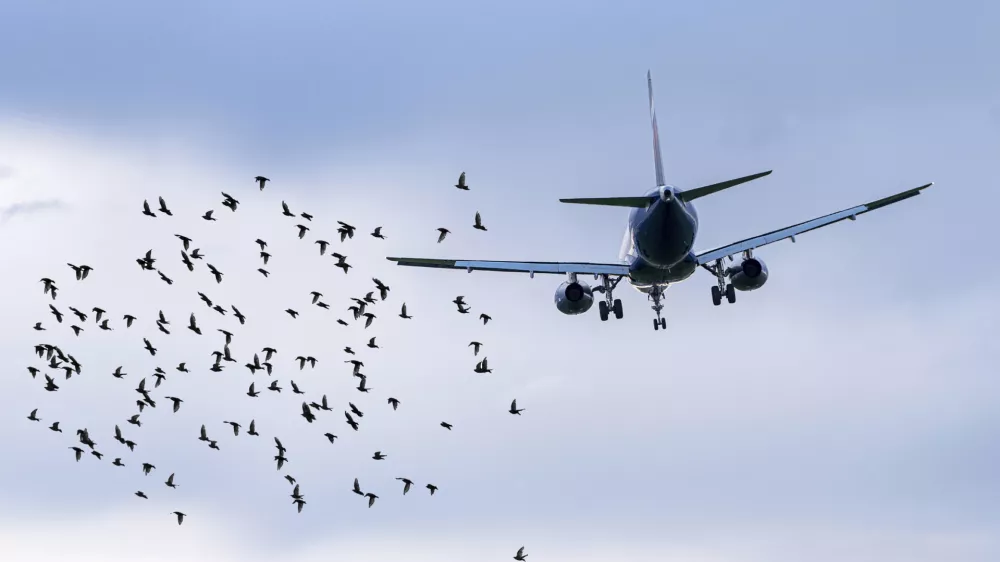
[(609, 304), (656, 295), (721, 287)]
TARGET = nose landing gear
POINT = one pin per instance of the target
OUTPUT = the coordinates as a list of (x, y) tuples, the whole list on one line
[(656, 295)]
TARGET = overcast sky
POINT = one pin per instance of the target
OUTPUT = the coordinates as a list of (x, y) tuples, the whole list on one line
[(848, 410)]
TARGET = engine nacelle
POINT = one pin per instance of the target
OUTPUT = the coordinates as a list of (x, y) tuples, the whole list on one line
[(750, 274), (574, 297)]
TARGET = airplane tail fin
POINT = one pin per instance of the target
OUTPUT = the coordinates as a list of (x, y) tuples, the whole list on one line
[(695, 193), (657, 159)]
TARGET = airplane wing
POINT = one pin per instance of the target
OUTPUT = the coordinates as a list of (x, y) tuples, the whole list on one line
[(531, 267), (791, 231)]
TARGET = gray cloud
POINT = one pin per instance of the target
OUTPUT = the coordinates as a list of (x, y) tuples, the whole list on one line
[(29, 208)]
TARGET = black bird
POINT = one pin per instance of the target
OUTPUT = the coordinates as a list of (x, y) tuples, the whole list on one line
[(446, 425), (302, 230), (322, 246), (394, 403), (377, 233), (166, 279), (146, 210), (443, 232), (263, 272), (251, 392), (461, 182), (208, 216), (81, 271), (261, 180), (479, 223), (164, 209), (330, 436), (265, 256), (432, 488), (146, 468), (229, 201), (406, 484), (176, 401), (307, 413), (292, 313), (261, 243), (285, 211), (239, 316), (520, 556), (236, 427), (485, 318), (513, 408), (32, 415), (475, 347), (141, 495), (170, 481), (403, 313), (371, 498), (215, 272), (351, 422), (185, 240), (149, 347), (187, 261), (306, 216), (38, 326), (371, 343), (378, 455), (252, 430), (357, 488), (180, 517)]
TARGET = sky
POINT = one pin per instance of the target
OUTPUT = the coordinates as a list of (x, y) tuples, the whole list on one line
[(847, 410)]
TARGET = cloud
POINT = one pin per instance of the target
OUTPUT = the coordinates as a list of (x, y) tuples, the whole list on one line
[(782, 428), (20, 209)]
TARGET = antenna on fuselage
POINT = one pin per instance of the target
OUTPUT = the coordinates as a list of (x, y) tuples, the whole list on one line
[(657, 159)]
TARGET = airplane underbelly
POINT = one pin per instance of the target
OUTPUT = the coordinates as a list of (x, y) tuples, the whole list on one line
[(643, 274)]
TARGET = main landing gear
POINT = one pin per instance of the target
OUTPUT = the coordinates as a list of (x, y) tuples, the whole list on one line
[(609, 304), (721, 287), (656, 295)]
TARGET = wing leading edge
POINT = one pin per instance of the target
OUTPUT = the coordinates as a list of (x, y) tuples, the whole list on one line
[(791, 231), (518, 266)]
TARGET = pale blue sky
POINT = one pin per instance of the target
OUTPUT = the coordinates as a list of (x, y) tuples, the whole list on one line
[(847, 410)]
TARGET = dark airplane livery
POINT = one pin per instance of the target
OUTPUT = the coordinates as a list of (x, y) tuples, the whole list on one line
[(658, 246)]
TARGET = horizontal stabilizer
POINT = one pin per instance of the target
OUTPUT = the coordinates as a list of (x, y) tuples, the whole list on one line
[(640, 202), (692, 194)]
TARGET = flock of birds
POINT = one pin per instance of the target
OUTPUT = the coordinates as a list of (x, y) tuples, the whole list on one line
[(59, 360)]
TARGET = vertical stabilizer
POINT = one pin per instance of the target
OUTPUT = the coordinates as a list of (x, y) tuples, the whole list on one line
[(658, 160)]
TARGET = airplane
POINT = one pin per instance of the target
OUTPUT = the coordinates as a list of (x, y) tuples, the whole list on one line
[(657, 248)]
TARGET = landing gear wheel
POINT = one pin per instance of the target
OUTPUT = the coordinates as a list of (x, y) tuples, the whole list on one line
[(617, 308), (663, 323), (656, 323), (602, 307), (716, 295), (730, 293)]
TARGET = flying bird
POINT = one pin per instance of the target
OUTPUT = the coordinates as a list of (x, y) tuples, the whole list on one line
[(514, 409), (261, 180), (444, 232), (479, 223), (377, 233), (520, 556), (164, 209), (461, 182)]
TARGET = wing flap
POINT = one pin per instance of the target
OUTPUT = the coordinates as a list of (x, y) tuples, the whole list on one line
[(517, 266), (803, 227)]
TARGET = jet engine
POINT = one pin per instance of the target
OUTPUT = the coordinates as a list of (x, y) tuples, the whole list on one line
[(574, 297), (750, 274)]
